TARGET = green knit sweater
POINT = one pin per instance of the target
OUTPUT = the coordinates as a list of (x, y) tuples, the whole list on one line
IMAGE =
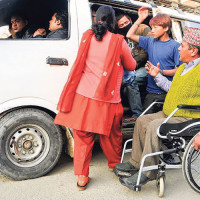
[(184, 90)]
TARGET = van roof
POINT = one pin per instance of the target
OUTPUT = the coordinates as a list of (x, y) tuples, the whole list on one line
[(165, 8)]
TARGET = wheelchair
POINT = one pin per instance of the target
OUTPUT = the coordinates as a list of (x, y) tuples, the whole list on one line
[(176, 137)]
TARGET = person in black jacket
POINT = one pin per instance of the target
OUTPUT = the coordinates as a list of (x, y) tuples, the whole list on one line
[(21, 27), (57, 25)]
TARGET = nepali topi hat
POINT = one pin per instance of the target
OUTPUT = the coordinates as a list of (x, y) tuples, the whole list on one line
[(192, 36)]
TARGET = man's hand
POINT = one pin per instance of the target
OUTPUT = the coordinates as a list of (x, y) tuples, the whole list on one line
[(151, 69), (143, 13), (40, 31), (196, 142)]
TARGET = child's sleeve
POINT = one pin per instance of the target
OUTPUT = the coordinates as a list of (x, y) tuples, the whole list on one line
[(144, 42)]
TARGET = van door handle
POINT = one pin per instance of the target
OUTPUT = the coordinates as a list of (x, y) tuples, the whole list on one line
[(56, 61)]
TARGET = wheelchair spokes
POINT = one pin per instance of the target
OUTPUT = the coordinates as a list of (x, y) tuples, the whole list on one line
[(191, 167)]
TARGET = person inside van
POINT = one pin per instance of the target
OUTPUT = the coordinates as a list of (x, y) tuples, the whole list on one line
[(162, 51), (21, 27), (90, 102), (129, 88), (58, 26)]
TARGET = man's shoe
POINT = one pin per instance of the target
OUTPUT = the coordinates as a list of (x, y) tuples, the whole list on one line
[(172, 159), (125, 167), (129, 120), (132, 181), (124, 174)]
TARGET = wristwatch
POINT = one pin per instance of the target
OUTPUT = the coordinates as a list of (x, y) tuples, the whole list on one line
[(161, 71)]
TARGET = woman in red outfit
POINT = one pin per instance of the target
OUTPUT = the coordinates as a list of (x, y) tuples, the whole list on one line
[(90, 102)]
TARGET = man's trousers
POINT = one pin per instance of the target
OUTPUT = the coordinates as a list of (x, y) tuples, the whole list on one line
[(145, 140)]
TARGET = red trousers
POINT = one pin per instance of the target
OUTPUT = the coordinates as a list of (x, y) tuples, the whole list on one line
[(111, 146)]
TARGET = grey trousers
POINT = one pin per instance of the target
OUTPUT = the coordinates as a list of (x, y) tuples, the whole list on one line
[(145, 140)]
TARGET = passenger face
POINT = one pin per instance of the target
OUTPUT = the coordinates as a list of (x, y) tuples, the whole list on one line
[(53, 23), (124, 21), (185, 52), (18, 23), (124, 24), (158, 31)]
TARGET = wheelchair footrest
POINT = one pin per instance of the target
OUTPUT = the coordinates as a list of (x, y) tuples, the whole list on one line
[(169, 151), (171, 159)]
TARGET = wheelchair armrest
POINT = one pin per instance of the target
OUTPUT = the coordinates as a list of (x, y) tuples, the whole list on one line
[(156, 101), (189, 107), (159, 100)]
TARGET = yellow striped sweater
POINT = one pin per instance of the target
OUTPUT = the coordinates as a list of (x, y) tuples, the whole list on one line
[(184, 90)]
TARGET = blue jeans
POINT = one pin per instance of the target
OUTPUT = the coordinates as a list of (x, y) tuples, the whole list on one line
[(141, 76), (130, 91)]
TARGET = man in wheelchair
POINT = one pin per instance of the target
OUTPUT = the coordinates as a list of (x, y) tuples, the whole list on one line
[(184, 89)]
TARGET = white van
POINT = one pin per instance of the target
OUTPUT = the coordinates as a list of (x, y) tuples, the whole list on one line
[(33, 73)]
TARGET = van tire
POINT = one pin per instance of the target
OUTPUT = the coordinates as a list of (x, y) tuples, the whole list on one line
[(30, 144)]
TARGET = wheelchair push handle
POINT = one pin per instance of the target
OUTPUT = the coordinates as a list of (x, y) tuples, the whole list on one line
[(189, 107)]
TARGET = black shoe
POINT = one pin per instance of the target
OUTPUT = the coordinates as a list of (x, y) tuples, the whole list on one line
[(124, 170), (124, 174), (132, 181), (171, 159), (125, 167)]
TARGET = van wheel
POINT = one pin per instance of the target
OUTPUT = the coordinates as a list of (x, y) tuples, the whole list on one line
[(30, 144)]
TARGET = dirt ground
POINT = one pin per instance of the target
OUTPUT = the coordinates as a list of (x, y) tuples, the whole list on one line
[(60, 184)]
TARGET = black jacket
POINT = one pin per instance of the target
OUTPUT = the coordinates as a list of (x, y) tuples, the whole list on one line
[(26, 32), (59, 33)]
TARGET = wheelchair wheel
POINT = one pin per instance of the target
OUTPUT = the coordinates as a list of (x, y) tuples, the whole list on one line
[(191, 166), (161, 186)]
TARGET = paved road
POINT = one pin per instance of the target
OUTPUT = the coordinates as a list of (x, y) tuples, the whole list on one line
[(60, 184)]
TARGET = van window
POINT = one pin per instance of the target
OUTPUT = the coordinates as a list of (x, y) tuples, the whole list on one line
[(4, 33), (176, 31), (37, 12)]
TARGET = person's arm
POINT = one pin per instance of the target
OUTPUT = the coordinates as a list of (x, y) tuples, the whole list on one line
[(196, 141), (165, 72), (161, 81), (169, 72), (128, 61), (142, 15)]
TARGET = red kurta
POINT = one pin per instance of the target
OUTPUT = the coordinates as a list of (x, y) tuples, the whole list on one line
[(89, 115), (98, 113), (90, 108)]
